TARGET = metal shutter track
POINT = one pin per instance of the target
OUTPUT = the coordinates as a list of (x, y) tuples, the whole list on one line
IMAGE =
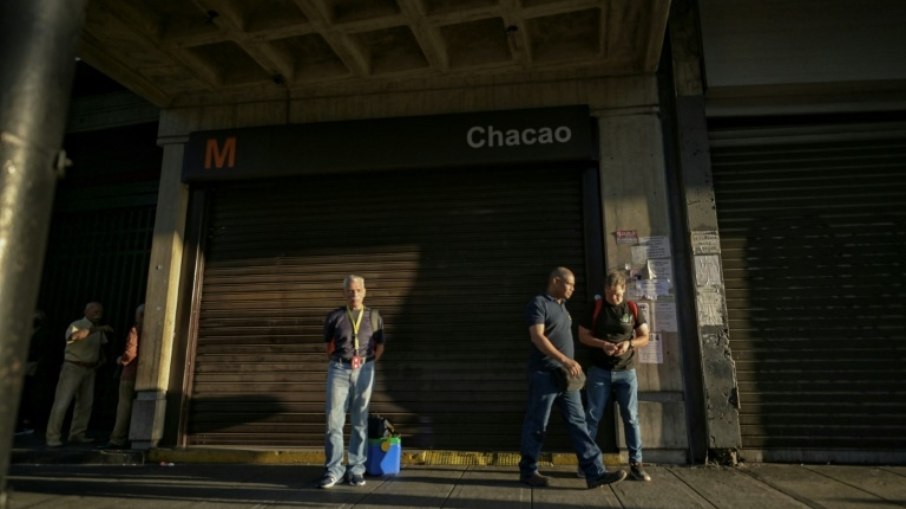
[(450, 259), (813, 231)]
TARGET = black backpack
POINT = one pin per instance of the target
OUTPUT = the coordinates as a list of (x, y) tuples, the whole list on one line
[(379, 427)]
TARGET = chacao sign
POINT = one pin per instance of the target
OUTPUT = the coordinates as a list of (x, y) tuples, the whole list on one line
[(528, 137), (489, 137)]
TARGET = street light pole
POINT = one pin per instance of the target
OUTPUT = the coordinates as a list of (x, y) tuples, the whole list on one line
[(38, 40)]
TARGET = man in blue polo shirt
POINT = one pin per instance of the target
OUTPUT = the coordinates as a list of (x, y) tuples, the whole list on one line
[(354, 336), (550, 330)]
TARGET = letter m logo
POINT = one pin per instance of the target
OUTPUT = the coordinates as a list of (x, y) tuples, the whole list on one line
[(216, 156)]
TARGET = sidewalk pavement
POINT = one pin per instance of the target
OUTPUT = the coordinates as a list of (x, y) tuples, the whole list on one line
[(80, 477)]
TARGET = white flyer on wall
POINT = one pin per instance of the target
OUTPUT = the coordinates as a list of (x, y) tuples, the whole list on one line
[(666, 316), (660, 269), (657, 246), (710, 307), (705, 242), (707, 271), (653, 352)]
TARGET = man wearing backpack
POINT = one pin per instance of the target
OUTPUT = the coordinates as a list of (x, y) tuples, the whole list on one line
[(614, 330), (354, 335)]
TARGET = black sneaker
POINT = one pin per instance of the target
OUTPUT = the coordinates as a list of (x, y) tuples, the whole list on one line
[(637, 473), (356, 480), (328, 481), (535, 480), (607, 478)]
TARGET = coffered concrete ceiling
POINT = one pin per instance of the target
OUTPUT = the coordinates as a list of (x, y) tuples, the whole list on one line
[(180, 52)]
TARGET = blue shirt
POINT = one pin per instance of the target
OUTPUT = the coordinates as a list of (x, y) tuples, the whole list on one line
[(558, 327)]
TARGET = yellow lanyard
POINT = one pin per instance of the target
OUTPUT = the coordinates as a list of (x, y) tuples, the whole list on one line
[(355, 327)]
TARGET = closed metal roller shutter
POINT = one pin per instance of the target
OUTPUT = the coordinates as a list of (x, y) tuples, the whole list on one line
[(813, 234), (450, 260)]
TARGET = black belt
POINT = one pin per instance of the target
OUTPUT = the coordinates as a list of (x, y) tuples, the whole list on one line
[(349, 361)]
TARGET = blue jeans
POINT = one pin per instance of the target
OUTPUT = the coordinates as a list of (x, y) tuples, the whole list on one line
[(347, 390), (599, 383), (543, 393)]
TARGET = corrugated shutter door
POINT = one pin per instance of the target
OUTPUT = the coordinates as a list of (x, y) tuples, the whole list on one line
[(813, 234), (450, 259)]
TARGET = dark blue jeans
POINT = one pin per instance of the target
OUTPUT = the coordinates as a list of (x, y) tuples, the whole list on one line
[(626, 387), (543, 393)]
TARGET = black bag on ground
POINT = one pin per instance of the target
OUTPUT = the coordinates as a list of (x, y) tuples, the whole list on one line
[(379, 427)]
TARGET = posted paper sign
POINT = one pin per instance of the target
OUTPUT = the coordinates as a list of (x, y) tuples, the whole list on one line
[(653, 352), (706, 242), (707, 271), (658, 246), (660, 269), (666, 316), (627, 237), (710, 307)]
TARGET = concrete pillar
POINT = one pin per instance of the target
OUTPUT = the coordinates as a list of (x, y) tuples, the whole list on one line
[(720, 392), (37, 49), (634, 195), (162, 298)]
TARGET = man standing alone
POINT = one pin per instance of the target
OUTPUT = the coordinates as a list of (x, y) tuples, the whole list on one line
[(354, 336), (82, 357), (550, 330)]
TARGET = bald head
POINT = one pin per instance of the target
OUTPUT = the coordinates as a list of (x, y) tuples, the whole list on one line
[(94, 311), (561, 283)]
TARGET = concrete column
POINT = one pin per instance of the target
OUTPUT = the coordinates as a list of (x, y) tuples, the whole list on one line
[(720, 391), (162, 298), (634, 198), (37, 49)]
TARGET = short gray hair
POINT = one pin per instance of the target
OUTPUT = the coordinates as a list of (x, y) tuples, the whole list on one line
[(352, 277)]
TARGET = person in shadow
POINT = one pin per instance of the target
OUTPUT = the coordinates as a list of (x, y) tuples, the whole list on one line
[(82, 357), (128, 362)]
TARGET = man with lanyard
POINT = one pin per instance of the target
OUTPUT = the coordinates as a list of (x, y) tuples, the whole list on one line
[(550, 330), (354, 336), (614, 333)]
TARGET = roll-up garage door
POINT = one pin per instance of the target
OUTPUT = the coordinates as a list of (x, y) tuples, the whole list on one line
[(450, 259), (813, 234)]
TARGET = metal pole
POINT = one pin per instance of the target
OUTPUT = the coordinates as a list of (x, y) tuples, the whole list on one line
[(38, 40)]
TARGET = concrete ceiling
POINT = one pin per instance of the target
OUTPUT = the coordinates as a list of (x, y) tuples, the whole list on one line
[(181, 52)]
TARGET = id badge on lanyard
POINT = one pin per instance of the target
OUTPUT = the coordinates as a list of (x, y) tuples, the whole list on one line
[(357, 360)]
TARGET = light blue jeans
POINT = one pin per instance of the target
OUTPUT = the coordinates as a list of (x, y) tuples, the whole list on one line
[(598, 385), (347, 390), (543, 393)]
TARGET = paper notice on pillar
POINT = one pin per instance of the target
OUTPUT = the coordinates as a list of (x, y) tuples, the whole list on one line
[(639, 255), (660, 269), (646, 289), (658, 246), (653, 352), (665, 312), (707, 271), (626, 237), (710, 306), (652, 289), (705, 242), (633, 292)]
